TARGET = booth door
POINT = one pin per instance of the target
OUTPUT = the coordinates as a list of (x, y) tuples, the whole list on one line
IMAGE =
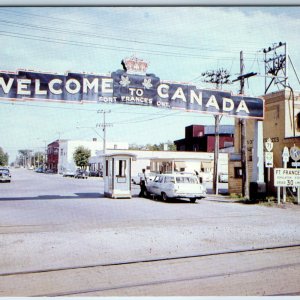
[(122, 175)]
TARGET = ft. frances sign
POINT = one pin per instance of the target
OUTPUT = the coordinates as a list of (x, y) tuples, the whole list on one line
[(129, 86)]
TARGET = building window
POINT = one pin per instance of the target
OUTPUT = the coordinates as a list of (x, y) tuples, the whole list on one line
[(238, 172)]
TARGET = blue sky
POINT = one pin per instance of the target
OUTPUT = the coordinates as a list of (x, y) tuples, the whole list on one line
[(178, 42)]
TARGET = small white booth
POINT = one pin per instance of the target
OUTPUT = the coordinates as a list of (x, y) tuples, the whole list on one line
[(117, 175)]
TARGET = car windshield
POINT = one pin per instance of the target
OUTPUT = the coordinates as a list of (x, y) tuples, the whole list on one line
[(186, 179), (4, 171)]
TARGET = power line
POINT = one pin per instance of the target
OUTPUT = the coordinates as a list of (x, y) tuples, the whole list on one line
[(86, 34), (102, 25), (107, 47), (93, 110)]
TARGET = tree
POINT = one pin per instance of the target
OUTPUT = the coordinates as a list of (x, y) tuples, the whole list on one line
[(3, 158), (38, 158), (154, 147), (25, 157), (81, 156)]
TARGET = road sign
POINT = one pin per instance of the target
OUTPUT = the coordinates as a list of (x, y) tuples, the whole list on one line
[(269, 145), (285, 154), (286, 177), (269, 159), (295, 153)]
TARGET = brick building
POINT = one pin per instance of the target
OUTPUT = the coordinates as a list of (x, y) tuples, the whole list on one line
[(52, 156), (281, 124), (201, 138)]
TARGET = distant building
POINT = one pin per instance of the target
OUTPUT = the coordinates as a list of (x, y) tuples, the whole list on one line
[(68, 147), (201, 138), (167, 161), (52, 156)]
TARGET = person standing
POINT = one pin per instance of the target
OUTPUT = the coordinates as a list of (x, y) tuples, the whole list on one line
[(143, 181)]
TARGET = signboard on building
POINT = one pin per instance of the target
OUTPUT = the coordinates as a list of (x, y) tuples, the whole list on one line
[(131, 86), (286, 177)]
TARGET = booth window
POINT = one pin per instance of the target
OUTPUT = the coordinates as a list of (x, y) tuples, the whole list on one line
[(122, 168), (106, 167)]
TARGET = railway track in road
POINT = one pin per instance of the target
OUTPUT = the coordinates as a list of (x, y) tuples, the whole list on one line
[(244, 272)]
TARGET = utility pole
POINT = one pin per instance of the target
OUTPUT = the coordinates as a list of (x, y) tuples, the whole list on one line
[(276, 66), (104, 125), (243, 125), (58, 154), (45, 155), (218, 77), (216, 155)]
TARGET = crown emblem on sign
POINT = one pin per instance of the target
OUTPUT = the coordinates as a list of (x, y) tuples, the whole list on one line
[(134, 65)]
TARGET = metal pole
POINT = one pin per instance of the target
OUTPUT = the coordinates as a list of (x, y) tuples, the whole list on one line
[(284, 188), (104, 125), (104, 133), (265, 73), (216, 155), (245, 189)]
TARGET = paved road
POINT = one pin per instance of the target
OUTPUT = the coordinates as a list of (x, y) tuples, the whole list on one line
[(48, 222)]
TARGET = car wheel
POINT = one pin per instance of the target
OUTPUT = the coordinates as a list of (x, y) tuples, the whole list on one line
[(164, 196), (192, 200)]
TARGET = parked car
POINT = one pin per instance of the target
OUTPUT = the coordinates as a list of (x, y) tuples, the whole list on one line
[(68, 173), (223, 177), (176, 185), (137, 178), (49, 171), (5, 175), (81, 174), (96, 173), (39, 170)]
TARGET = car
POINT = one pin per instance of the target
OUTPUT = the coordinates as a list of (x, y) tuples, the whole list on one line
[(39, 170), (68, 173), (81, 174), (137, 179), (49, 171), (96, 173), (176, 185), (5, 175)]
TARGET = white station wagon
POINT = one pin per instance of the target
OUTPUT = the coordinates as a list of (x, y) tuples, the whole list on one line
[(176, 185)]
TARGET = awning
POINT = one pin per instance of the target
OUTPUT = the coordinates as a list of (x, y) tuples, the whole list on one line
[(207, 164), (180, 164)]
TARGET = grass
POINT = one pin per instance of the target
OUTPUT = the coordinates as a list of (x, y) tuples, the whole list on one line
[(270, 201)]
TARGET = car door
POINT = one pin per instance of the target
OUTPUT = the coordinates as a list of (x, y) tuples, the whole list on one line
[(154, 186)]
